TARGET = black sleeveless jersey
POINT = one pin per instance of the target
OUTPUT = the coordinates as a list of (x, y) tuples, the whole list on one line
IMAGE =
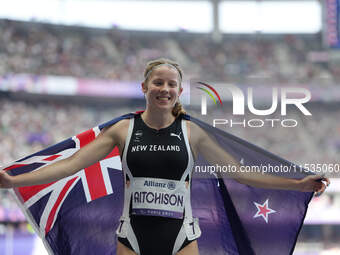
[(158, 164), (157, 153)]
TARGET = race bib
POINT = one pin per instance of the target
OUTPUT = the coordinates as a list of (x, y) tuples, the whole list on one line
[(158, 197)]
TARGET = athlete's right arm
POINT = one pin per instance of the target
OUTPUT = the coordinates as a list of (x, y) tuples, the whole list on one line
[(86, 156)]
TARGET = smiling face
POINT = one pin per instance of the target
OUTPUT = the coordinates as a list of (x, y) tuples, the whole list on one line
[(162, 88)]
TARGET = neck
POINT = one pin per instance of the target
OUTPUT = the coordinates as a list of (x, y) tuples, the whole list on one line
[(156, 119)]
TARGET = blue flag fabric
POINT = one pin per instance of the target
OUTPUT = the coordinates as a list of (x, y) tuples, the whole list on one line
[(79, 214), (259, 221)]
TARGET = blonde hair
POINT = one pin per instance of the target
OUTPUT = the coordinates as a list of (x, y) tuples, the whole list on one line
[(151, 65)]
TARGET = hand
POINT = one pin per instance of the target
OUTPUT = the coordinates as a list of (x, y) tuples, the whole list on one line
[(6, 181), (314, 183)]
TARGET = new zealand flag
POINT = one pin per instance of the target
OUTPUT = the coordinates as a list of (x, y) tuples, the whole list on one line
[(79, 214)]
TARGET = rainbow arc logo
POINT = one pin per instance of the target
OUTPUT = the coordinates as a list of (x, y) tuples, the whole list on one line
[(208, 89), (209, 93)]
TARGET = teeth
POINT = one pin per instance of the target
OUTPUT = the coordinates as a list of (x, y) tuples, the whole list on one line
[(163, 98)]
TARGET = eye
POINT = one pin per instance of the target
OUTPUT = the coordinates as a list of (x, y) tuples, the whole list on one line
[(157, 82), (173, 84)]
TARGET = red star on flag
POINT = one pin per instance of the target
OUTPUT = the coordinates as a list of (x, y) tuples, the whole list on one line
[(263, 210)]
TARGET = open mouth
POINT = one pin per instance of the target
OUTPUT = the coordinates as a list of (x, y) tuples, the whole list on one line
[(163, 98)]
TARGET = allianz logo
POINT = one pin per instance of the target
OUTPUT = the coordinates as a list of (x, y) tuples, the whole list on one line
[(171, 185)]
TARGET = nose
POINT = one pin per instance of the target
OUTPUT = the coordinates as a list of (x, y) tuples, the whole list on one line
[(165, 88)]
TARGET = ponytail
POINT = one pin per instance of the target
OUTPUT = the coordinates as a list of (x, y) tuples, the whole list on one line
[(178, 109)]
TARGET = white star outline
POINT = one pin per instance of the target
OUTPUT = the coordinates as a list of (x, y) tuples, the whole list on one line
[(260, 214)]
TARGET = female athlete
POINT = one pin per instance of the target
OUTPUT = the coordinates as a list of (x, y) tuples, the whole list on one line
[(158, 148)]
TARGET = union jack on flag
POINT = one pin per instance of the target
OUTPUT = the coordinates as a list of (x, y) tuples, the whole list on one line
[(47, 205)]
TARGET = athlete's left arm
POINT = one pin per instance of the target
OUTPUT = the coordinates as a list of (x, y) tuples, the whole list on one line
[(202, 143)]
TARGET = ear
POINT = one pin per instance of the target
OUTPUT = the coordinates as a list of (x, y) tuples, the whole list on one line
[(144, 88), (180, 91)]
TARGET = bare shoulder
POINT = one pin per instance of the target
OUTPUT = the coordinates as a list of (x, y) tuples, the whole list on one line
[(121, 125), (195, 134), (194, 130), (118, 131)]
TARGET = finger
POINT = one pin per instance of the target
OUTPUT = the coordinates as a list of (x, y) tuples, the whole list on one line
[(322, 189), (318, 194), (327, 181)]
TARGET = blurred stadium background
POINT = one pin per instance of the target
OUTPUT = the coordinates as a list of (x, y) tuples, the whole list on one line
[(68, 65)]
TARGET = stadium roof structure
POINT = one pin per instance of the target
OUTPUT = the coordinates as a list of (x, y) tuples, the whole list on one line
[(197, 16)]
